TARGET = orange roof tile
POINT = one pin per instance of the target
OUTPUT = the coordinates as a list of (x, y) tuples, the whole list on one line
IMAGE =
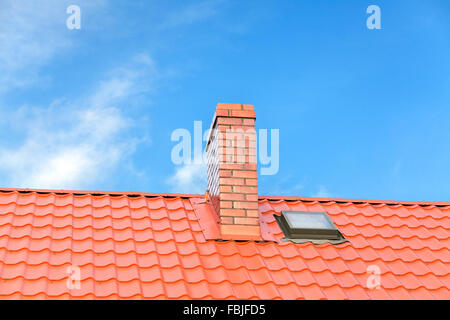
[(154, 246)]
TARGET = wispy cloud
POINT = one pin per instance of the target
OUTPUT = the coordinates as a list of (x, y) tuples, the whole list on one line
[(194, 12), (71, 144), (283, 185), (322, 193), (31, 34), (189, 178)]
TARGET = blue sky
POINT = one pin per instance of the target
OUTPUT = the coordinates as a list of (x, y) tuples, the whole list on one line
[(362, 113)]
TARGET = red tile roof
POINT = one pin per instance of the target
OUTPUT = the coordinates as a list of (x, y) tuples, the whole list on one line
[(154, 246)]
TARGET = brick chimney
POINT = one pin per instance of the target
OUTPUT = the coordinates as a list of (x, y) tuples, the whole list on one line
[(232, 174)]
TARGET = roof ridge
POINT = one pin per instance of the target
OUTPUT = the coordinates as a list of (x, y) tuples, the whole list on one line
[(188, 196), (355, 201), (101, 193)]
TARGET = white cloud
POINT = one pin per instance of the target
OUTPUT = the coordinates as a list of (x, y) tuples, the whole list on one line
[(189, 178), (68, 157), (323, 193), (71, 145)]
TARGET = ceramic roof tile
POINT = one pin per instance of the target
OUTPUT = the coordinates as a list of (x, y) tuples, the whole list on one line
[(334, 293), (262, 276), (438, 268), (153, 247), (238, 275), (337, 266), (292, 292), (216, 275), (267, 291), (313, 292), (308, 251), (304, 278), (222, 290)]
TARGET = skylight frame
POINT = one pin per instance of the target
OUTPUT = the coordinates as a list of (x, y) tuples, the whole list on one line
[(291, 232)]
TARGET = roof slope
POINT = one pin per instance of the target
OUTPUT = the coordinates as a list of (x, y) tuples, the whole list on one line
[(149, 246)]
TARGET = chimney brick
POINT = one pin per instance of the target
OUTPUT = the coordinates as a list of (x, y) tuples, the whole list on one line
[(232, 171)]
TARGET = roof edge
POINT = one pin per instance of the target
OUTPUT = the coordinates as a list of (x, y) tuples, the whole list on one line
[(187, 196), (294, 198), (113, 193)]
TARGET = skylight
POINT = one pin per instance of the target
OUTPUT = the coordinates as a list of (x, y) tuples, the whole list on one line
[(309, 220), (306, 225)]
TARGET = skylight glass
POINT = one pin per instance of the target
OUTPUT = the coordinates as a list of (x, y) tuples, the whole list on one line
[(309, 220)]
